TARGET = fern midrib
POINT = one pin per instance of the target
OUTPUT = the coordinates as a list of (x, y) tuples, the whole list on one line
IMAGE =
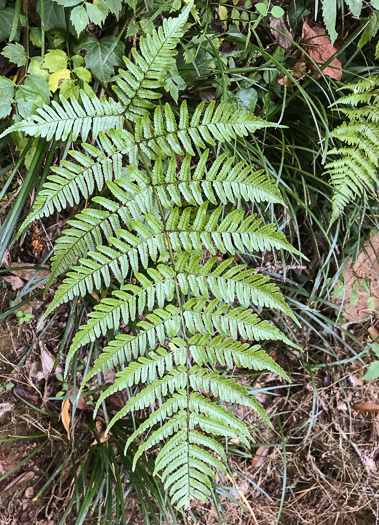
[(179, 299)]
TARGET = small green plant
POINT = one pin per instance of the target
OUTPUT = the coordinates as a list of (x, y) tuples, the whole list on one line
[(373, 370), (24, 316)]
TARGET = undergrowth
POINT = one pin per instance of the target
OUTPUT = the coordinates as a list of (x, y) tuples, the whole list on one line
[(184, 174)]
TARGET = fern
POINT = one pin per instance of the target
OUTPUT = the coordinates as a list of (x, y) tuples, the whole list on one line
[(356, 168), (158, 237)]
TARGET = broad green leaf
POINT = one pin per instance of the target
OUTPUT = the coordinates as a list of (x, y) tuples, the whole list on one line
[(371, 303), (103, 56), (375, 348), (370, 31), (354, 297), (36, 36), (261, 8), (15, 53), (54, 15), (7, 88), (79, 18), (69, 3), (55, 59), (277, 12), (339, 291), (372, 372), (222, 13), (97, 13), (55, 79), (32, 95), (35, 68), (82, 73), (6, 19), (355, 6)]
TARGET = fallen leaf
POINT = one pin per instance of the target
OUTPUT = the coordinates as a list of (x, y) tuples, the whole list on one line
[(317, 44), (14, 281), (66, 416), (281, 24), (373, 332), (101, 428), (81, 403), (367, 406), (47, 362), (259, 456), (25, 273)]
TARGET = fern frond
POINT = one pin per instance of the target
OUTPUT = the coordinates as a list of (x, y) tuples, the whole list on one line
[(137, 85), (355, 170), (70, 119)]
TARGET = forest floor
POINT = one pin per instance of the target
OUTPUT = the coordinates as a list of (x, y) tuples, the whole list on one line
[(316, 466)]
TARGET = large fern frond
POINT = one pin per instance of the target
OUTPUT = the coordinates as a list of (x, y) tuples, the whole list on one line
[(162, 234)]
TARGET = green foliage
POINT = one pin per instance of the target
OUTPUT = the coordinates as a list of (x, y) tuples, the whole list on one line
[(355, 169), (373, 370), (159, 239)]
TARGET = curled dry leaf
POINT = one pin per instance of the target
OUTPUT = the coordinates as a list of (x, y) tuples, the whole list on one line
[(259, 457), (101, 428), (317, 44), (66, 416), (367, 406)]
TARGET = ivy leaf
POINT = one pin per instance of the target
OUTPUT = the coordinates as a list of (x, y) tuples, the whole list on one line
[(329, 14), (54, 15), (55, 59), (372, 372), (6, 19), (15, 53), (79, 18), (103, 56)]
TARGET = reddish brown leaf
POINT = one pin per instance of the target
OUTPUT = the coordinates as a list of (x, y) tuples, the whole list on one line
[(317, 44), (66, 416), (259, 456), (367, 406)]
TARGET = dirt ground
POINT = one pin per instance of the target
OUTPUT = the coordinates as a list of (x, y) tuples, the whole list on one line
[(318, 466)]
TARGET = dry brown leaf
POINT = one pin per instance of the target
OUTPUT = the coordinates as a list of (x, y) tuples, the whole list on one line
[(101, 428), (317, 44), (366, 406), (47, 361), (81, 403), (281, 24), (66, 416), (14, 281), (259, 456), (373, 332), (25, 273)]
